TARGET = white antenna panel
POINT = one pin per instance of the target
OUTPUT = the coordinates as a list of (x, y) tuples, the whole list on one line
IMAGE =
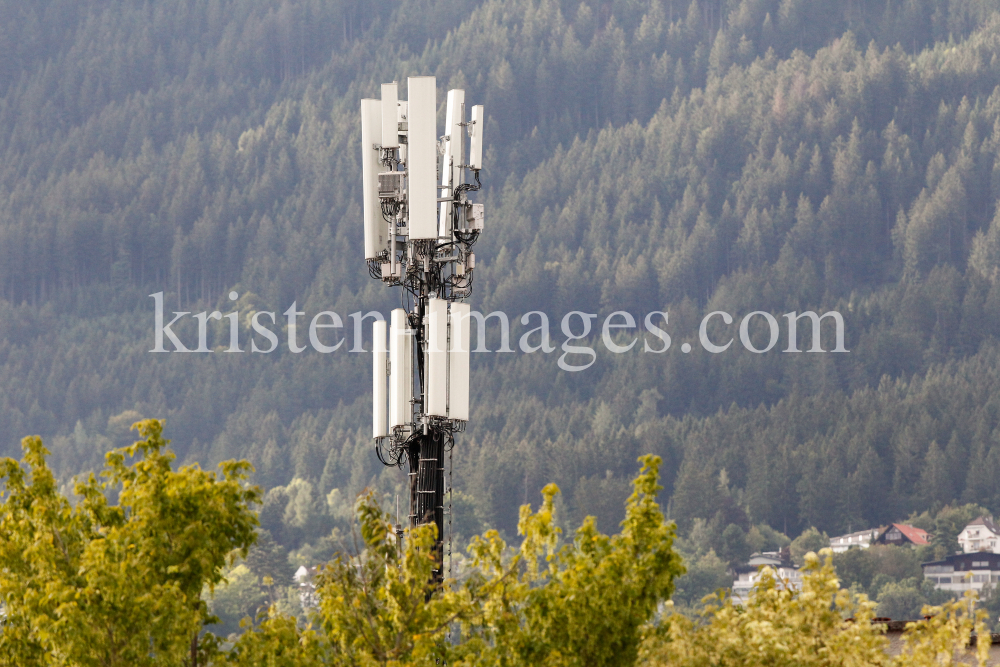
[(380, 426), (453, 154), (401, 118), (421, 165), (437, 357), (476, 143), (458, 362), (371, 135), (400, 370), (390, 100)]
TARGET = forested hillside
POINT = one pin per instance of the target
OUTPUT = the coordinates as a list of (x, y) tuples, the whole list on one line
[(642, 155)]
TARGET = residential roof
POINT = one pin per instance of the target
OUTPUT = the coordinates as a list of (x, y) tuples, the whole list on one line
[(985, 521), (773, 559), (766, 558), (915, 535), (965, 560), (868, 532)]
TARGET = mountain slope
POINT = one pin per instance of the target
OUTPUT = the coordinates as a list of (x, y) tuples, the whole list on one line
[(642, 156)]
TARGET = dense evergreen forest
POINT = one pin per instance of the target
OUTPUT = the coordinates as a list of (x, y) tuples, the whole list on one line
[(642, 155)]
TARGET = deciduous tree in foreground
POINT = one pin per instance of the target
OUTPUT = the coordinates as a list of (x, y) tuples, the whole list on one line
[(584, 603), (589, 603), (818, 626), (115, 584)]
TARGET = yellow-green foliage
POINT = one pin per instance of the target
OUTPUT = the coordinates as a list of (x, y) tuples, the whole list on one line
[(585, 603), (780, 626), (107, 584), (940, 640)]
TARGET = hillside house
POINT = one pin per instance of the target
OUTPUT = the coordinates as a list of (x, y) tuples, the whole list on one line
[(963, 572), (980, 535), (305, 580), (745, 577), (899, 534), (861, 539)]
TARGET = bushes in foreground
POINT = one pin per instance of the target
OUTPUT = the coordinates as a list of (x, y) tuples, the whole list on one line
[(116, 578)]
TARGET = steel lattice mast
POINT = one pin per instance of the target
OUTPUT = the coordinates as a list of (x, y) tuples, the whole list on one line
[(419, 231)]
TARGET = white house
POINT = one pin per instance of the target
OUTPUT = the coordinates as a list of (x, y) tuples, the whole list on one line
[(305, 579), (747, 576), (980, 535), (862, 539)]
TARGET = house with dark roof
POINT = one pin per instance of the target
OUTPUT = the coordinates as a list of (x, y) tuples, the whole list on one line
[(980, 535), (962, 572), (899, 534)]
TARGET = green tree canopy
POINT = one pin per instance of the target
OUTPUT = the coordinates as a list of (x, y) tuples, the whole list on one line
[(586, 602), (98, 582)]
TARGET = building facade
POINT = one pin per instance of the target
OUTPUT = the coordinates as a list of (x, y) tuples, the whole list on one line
[(963, 572), (861, 539), (980, 535), (305, 580), (745, 577), (900, 534)]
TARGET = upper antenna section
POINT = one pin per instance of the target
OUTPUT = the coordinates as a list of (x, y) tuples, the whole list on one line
[(417, 181)]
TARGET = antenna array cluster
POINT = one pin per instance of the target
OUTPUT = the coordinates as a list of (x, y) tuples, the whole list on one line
[(420, 228), (407, 223)]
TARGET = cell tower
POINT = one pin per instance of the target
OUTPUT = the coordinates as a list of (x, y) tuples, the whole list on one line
[(419, 231)]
